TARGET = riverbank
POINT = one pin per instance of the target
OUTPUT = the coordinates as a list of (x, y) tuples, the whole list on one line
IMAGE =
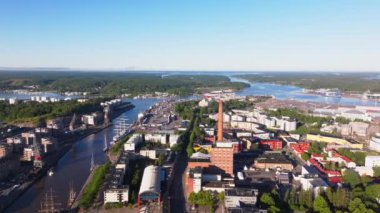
[(291, 92), (51, 160)]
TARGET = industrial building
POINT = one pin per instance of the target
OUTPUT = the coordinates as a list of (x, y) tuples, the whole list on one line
[(222, 154), (117, 191), (150, 189), (271, 144), (132, 142), (372, 161), (332, 139), (93, 119), (273, 160), (238, 197), (374, 143), (4, 150)]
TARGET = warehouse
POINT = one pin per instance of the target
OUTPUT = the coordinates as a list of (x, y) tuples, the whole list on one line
[(150, 188)]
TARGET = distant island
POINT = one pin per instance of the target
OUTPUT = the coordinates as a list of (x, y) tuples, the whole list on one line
[(358, 82), (119, 83)]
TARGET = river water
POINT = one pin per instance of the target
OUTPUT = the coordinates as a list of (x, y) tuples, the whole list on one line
[(282, 92), (74, 166)]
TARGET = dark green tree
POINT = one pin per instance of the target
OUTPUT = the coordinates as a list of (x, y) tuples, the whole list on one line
[(321, 205)]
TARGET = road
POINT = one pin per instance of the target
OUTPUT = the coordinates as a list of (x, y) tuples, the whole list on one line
[(174, 200)]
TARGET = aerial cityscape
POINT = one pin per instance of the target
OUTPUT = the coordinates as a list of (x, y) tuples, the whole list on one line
[(189, 106)]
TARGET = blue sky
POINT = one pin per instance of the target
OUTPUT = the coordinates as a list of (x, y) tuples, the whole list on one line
[(246, 35)]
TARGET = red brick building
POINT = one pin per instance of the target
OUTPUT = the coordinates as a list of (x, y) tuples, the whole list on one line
[(223, 158), (271, 144)]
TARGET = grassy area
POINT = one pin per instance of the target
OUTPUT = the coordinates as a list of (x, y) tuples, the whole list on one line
[(136, 170), (93, 186), (119, 146)]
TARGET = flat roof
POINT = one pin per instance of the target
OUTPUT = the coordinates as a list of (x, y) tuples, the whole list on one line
[(241, 192), (242, 210), (273, 158)]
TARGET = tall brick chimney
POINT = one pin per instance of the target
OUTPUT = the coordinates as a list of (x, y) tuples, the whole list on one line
[(220, 121)]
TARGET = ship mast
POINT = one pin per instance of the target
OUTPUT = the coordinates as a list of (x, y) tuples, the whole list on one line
[(72, 195), (105, 143), (48, 205), (38, 163), (92, 162), (121, 126)]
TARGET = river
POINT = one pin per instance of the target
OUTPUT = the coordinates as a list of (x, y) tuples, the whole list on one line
[(283, 92), (74, 166)]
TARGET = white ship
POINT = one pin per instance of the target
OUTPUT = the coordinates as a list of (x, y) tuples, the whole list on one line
[(92, 167), (121, 129), (50, 172), (335, 93), (105, 149)]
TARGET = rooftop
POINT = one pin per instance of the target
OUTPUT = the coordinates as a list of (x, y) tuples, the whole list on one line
[(272, 157), (241, 192)]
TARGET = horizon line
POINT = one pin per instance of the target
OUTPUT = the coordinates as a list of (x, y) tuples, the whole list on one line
[(62, 69)]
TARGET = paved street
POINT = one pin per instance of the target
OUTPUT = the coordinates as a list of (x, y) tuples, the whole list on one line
[(174, 200)]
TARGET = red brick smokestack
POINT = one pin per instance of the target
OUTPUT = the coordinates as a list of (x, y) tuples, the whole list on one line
[(220, 121)]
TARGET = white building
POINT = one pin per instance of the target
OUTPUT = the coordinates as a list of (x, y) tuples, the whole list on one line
[(157, 138), (209, 131), (372, 161), (364, 171), (132, 142), (238, 118), (93, 119), (119, 195), (244, 125), (197, 180), (374, 143), (287, 124), (355, 128), (153, 153), (150, 189), (315, 183), (13, 101), (354, 114), (236, 197), (203, 103), (173, 139)]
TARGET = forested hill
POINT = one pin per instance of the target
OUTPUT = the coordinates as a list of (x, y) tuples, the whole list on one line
[(34, 112), (360, 82), (114, 83)]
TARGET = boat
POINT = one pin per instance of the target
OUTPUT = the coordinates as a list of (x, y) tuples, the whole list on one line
[(48, 204), (334, 93), (50, 172), (92, 167), (121, 129), (105, 149), (72, 196)]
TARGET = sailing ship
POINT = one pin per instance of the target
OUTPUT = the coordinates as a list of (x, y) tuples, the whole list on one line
[(92, 162), (72, 196), (48, 205), (105, 149), (121, 129)]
